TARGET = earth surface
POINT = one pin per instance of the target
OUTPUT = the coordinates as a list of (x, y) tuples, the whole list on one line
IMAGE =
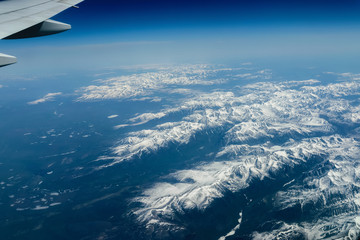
[(181, 152)]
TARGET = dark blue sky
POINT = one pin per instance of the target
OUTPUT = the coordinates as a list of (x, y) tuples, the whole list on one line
[(169, 20), (139, 20), (142, 13), (111, 33)]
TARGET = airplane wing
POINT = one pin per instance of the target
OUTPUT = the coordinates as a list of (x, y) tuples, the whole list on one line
[(30, 18)]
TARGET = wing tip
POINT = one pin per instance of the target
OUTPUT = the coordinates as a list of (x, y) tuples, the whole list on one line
[(7, 60)]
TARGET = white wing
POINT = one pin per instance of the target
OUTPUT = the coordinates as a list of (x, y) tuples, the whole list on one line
[(30, 18)]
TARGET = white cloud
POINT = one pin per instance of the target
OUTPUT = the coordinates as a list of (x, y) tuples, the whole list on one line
[(46, 98), (347, 76), (233, 231), (113, 116)]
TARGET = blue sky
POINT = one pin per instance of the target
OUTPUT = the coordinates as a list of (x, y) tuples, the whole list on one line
[(142, 14), (110, 33)]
